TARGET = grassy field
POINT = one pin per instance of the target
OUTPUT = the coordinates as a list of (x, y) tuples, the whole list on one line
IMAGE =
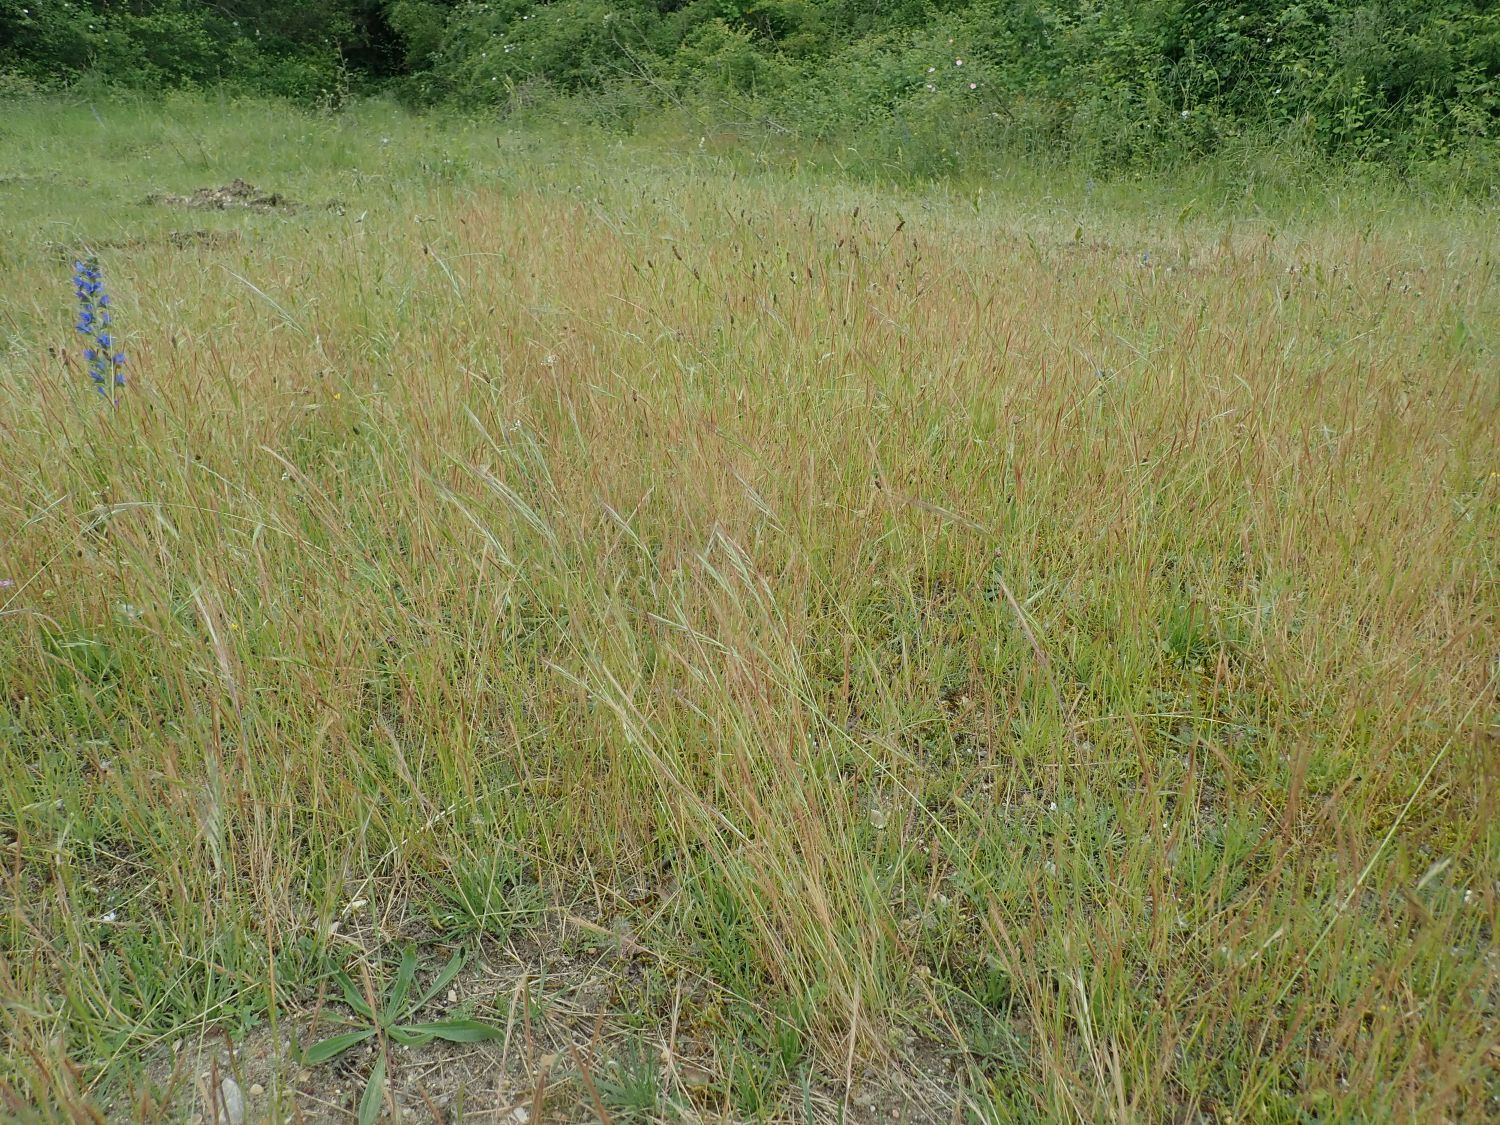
[(1008, 651)]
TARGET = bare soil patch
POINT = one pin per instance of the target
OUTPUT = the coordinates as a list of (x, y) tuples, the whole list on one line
[(570, 1050), (237, 195)]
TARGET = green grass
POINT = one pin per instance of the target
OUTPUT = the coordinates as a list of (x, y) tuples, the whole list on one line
[(1033, 639)]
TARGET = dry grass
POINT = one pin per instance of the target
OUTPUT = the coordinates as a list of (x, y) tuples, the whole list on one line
[(1060, 640)]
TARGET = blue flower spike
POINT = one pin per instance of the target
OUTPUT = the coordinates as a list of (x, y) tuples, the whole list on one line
[(103, 359)]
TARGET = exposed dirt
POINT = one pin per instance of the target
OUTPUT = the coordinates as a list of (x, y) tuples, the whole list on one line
[(553, 1076), (236, 195), (569, 1050)]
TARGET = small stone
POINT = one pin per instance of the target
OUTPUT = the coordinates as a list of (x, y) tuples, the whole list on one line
[(518, 1116), (864, 1100), (452, 996), (231, 1108), (257, 1090)]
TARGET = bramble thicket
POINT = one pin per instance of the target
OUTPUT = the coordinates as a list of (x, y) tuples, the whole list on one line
[(926, 84)]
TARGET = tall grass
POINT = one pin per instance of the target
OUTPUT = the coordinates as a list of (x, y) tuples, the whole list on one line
[(1061, 633)]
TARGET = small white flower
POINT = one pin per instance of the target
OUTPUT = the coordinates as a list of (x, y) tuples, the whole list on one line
[(958, 62), (1185, 114), (932, 70), (110, 918), (973, 85)]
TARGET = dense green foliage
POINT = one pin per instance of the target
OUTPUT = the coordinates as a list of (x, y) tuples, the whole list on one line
[(274, 46), (1117, 82)]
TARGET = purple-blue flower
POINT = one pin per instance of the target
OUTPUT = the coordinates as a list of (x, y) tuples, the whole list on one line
[(104, 361)]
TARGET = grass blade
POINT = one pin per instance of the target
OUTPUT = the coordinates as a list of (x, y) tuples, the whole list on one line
[(335, 1045), (404, 976), (408, 1036), (457, 1031), (450, 970), (353, 998), (369, 1104)]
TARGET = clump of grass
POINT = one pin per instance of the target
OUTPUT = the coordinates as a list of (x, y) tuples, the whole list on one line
[(906, 619)]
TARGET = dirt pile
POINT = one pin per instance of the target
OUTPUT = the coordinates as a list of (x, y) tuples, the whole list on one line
[(233, 196)]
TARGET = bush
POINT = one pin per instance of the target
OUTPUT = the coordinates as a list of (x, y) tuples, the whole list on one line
[(1115, 83)]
